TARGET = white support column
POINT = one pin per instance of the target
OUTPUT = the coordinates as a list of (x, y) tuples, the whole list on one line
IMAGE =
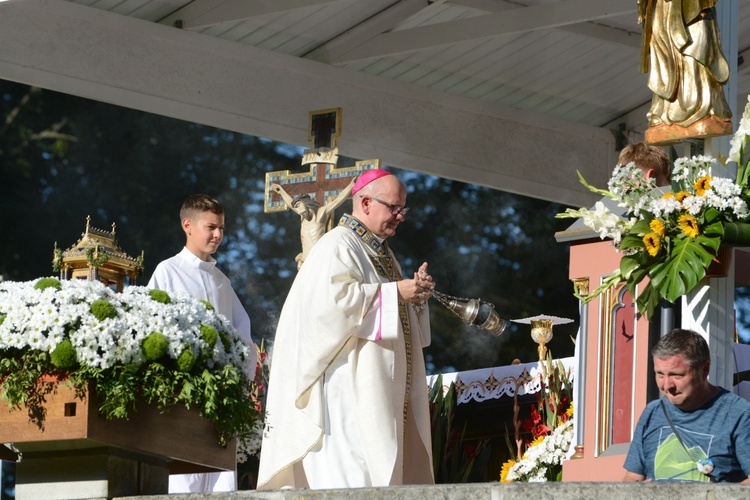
[(727, 18), (709, 309), (727, 14)]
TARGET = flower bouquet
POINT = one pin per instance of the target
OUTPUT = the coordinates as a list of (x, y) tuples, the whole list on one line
[(548, 430), (139, 345), (543, 459), (671, 236)]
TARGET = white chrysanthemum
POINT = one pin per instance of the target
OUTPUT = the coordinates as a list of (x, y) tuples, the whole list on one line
[(664, 207), (724, 187), (739, 208), (540, 459), (693, 204), (630, 188), (680, 169), (686, 171), (713, 200), (42, 319)]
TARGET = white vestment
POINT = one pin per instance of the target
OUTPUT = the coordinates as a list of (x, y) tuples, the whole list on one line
[(203, 280), (335, 414)]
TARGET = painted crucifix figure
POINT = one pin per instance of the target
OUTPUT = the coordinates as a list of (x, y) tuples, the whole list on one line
[(315, 195)]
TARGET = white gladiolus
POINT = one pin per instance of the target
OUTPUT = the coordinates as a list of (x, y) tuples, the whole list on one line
[(739, 141)]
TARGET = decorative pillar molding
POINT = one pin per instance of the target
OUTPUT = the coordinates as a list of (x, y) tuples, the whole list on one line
[(581, 286)]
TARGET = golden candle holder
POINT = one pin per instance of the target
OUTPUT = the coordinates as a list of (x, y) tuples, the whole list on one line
[(541, 330)]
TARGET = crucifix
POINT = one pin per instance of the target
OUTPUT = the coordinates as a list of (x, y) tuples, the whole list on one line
[(315, 194)]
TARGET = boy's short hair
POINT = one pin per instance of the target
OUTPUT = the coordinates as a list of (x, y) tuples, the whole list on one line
[(197, 204), (647, 157)]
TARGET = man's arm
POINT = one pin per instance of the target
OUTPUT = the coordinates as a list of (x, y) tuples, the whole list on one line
[(632, 477)]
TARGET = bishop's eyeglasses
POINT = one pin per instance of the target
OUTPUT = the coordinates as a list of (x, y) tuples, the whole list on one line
[(395, 209)]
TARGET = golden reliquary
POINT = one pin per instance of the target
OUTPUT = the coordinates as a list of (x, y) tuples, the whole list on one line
[(96, 256)]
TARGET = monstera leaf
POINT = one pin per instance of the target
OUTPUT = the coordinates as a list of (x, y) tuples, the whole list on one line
[(647, 300), (687, 263)]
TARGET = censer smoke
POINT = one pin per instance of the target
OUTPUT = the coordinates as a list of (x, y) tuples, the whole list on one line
[(473, 311)]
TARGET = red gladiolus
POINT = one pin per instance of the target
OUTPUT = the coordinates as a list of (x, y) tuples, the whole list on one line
[(535, 417)]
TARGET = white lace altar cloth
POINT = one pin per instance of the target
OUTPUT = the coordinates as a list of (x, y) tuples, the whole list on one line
[(505, 381), (501, 381)]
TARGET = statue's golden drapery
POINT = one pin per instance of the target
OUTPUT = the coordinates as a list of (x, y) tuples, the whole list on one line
[(682, 54)]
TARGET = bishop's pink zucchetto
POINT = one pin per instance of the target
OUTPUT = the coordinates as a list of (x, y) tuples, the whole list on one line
[(368, 177)]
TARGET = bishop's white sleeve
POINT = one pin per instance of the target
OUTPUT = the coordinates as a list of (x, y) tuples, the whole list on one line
[(381, 322)]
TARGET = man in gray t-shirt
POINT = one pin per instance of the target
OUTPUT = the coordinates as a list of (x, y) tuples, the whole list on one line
[(697, 431)]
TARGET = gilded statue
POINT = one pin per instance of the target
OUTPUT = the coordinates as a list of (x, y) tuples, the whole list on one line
[(681, 52), (314, 217)]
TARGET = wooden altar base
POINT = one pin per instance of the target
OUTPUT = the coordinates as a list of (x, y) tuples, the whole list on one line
[(78, 454)]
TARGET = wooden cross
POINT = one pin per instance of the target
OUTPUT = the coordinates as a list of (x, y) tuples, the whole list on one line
[(324, 180)]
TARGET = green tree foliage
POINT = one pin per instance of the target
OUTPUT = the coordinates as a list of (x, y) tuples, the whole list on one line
[(63, 158)]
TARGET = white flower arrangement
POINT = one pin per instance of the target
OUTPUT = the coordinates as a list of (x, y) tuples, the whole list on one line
[(671, 237), (41, 319), (633, 192), (138, 344), (542, 462)]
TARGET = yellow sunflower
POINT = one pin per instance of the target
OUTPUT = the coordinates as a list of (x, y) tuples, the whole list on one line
[(668, 195), (569, 411), (702, 185), (657, 226), (504, 471), (681, 195), (653, 243), (689, 225), (537, 440)]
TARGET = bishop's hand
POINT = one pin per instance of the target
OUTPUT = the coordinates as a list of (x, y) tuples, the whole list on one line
[(418, 289)]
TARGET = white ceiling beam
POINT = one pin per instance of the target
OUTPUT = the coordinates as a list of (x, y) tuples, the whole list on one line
[(605, 34), (536, 17), (587, 29), (90, 53), (383, 21), (201, 14)]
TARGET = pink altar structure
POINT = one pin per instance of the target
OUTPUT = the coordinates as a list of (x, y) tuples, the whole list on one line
[(614, 372)]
